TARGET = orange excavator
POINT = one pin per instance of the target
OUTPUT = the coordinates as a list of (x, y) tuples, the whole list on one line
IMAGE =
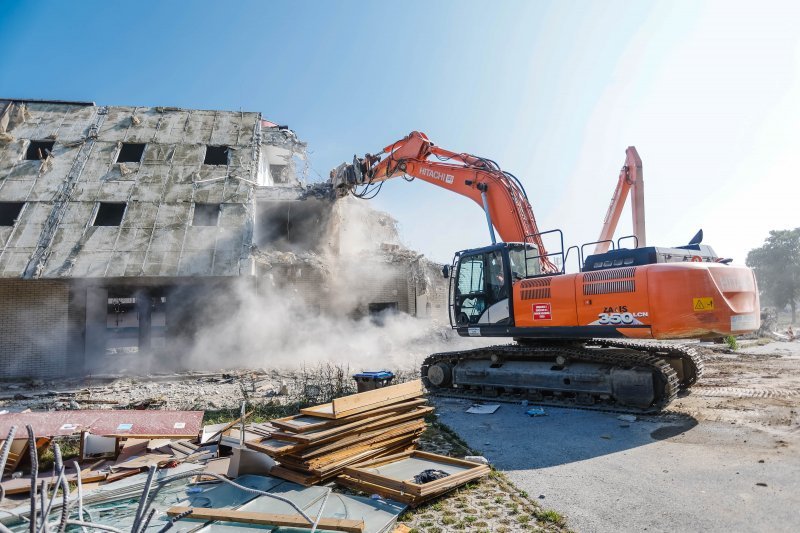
[(590, 338)]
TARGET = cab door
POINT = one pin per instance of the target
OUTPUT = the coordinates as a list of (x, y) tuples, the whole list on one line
[(482, 288)]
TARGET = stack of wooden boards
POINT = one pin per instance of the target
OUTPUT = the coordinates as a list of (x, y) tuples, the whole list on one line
[(320, 442)]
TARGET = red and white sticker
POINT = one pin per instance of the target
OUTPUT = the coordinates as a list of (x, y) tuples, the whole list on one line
[(542, 312)]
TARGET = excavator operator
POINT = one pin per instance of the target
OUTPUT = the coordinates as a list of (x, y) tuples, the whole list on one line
[(498, 289)]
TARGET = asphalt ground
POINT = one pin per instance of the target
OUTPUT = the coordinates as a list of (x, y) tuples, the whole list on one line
[(709, 464)]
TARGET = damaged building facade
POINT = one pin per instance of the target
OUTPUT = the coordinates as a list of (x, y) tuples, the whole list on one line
[(119, 225)]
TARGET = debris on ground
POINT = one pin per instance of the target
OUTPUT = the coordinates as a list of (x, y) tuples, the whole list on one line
[(536, 411), (150, 469), (476, 459), (319, 443), (483, 409)]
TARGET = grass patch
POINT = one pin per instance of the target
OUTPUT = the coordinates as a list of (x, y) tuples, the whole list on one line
[(70, 449), (549, 515), (732, 343)]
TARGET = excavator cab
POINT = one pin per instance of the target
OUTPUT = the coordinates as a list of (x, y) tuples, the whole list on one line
[(481, 283)]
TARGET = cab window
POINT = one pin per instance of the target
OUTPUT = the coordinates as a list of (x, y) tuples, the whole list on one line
[(470, 275)]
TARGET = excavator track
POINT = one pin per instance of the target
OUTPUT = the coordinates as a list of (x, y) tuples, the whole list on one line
[(672, 366), (683, 357)]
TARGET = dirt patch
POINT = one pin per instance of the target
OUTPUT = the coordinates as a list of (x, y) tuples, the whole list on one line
[(757, 386)]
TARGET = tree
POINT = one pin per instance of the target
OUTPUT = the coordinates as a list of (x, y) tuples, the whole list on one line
[(777, 268)]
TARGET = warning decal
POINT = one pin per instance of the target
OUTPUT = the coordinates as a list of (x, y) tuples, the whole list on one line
[(703, 304), (542, 312)]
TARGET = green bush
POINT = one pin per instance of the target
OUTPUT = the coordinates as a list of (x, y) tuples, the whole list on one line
[(730, 340)]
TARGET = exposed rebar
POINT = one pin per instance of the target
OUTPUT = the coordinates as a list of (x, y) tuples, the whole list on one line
[(79, 490), (34, 476), (146, 522), (143, 499)]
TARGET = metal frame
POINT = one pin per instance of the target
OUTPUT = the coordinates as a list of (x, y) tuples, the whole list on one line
[(531, 239)]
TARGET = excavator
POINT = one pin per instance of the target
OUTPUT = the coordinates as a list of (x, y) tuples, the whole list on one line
[(593, 339)]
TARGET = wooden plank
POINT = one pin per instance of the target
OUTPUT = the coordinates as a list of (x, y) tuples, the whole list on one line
[(443, 459), (352, 456), (440, 486), (315, 477), (310, 476), (268, 519), (345, 424), (357, 403), (294, 476), (362, 438), (419, 454), (327, 463), (364, 401), (384, 420), (317, 423), (23, 485), (370, 488), (273, 447)]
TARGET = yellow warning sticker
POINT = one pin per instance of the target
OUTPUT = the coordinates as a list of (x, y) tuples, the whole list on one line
[(703, 304)]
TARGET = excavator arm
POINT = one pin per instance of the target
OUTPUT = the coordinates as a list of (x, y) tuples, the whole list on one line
[(497, 192), (630, 182)]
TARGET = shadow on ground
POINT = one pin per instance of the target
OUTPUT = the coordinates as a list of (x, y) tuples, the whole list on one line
[(562, 436)]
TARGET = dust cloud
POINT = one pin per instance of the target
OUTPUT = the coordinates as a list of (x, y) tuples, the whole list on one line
[(310, 305)]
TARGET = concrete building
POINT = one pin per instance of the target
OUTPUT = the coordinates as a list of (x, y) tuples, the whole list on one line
[(118, 223)]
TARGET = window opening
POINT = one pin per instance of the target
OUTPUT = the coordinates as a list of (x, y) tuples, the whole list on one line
[(206, 214), (131, 153), (123, 322), (38, 150), (280, 173), (378, 311), (470, 294), (109, 214), (9, 212), (216, 155)]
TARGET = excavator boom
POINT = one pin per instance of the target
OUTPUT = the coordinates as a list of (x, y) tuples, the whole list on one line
[(497, 192)]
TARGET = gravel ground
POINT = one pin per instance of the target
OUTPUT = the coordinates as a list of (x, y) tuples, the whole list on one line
[(724, 458)]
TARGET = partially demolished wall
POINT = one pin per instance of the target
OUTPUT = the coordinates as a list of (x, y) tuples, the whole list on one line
[(120, 226)]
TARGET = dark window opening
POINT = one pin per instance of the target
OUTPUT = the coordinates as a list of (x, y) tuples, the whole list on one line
[(9, 212), (280, 173), (380, 310), (375, 308), (216, 155), (109, 214), (38, 150), (292, 225), (206, 214), (131, 153), (132, 315)]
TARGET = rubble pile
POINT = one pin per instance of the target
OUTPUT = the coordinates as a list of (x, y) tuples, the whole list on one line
[(189, 390)]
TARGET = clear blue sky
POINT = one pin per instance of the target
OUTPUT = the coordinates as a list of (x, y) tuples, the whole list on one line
[(554, 91)]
